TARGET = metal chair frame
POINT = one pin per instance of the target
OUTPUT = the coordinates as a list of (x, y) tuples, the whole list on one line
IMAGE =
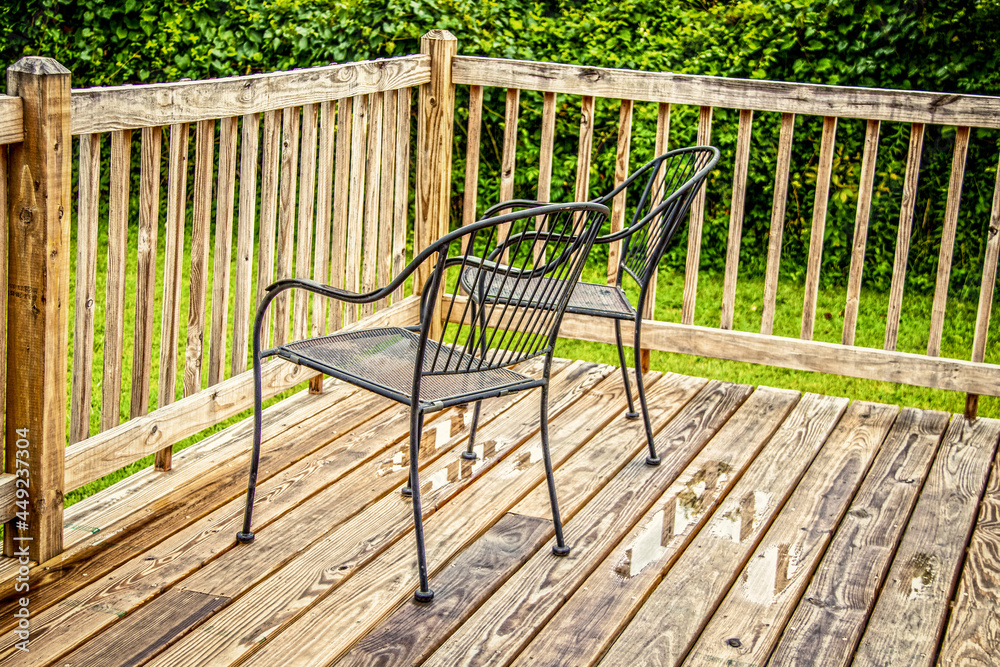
[(671, 182), (464, 353)]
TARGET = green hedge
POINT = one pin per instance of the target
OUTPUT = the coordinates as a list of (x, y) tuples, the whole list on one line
[(947, 45)]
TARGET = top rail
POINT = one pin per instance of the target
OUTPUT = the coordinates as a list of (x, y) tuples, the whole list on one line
[(11, 120), (131, 107), (798, 98)]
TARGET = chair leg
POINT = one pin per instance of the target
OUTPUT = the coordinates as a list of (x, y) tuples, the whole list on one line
[(631, 414), (652, 459), (424, 593), (560, 549), (470, 454), (246, 535)]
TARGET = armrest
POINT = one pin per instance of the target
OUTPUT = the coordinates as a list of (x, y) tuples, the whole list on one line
[(510, 204)]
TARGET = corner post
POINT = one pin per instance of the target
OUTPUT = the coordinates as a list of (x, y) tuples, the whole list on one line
[(435, 123), (38, 299)]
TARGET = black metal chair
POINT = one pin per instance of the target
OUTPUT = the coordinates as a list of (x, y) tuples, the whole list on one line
[(470, 359), (669, 183)]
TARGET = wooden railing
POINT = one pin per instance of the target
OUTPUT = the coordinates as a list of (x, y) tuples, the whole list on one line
[(747, 97), (312, 169)]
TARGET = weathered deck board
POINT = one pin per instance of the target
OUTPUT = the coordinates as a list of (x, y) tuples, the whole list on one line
[(661, 558)]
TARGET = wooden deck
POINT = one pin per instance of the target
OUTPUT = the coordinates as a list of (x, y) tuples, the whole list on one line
[(779, 529)]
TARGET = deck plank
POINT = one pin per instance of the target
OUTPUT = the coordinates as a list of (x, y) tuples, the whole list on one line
[(469, 579), (376, 590), (369, 541), (510, 618), (749, 621), (594, 615), (693, 587), (908, 620), (973, 636), (61, 628), (832, 613)]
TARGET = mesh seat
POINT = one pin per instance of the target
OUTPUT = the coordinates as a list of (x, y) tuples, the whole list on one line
[(586, 298), (385, 357)]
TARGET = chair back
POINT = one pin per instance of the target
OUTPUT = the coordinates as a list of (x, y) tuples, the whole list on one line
[(505, 293), (669, 184)]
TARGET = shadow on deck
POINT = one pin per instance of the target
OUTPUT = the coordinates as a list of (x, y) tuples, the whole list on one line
[(779, 527)]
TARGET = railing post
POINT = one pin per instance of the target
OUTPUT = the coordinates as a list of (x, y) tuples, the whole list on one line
[(37, 306), (435, 123)]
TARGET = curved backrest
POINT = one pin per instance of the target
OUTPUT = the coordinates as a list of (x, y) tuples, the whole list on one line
[(516, 272), (659, 196)]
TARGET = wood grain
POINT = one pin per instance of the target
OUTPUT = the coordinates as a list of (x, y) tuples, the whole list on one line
[(145, 294), (11, 120), (39, 185), (246, 226), (736, 206), (593, 616), (114, 302), (545, 147), (695, 221), (696, 583), (4, 286), (286, 218), (402, 187), (473, 136), (860, 231), (173, 260), (758, 606), (225, 193), (584, 149), (777, 230), (356, 201), (972, 637), (816, 232), (305, 219), (510, 618), (815, 100), (338, 230), (909, 617), (906, 209), (123, 107), (832, 613), (649, 308), (324, 209), (622, 151), (201, 220), (373, 191), (86, 283), (387, 195), (508, 159), (947, 241), (270, 161)]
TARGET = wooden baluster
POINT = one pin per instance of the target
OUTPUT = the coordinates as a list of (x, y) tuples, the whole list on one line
[(621, 173), (286, 217), (304, 226), (472, 159), (906, 209), (268, 214), (355, 209), (545, 150), (403, 101), (114, 314), (373, 176), (324, 206), (245, 242), (986, 290), (145, 295), (777, 222), (338, 232), (860, 231), (3, 294), (736, 217), (696, 221), (86, 284), (385, 217), (948, 241), (509, 159), (660, 147), (818, 226), (173, 260), (224, 209), (201, 216)]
